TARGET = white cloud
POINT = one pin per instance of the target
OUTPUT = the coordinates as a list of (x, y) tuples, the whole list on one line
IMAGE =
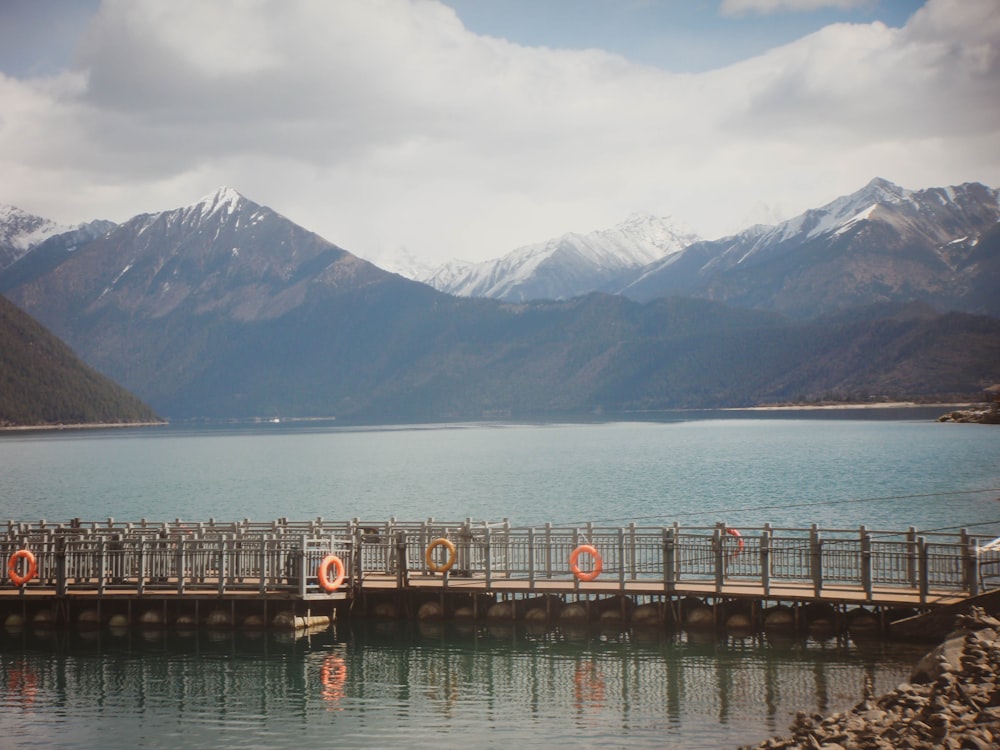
[(386, 124)]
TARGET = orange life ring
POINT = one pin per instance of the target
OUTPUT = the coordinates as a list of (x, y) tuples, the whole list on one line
[(429, 555), (739, 540), (574, 566), (323, 573), (16, 578)]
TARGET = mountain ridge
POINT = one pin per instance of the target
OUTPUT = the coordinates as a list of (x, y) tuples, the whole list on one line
[(226, 309)]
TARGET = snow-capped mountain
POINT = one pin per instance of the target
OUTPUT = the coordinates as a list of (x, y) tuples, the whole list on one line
[(223, 308), (223, 253), (883, 243), (21, 231), (567, 266)]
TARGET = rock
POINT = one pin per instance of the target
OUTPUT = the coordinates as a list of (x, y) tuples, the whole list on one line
[(952, 701)]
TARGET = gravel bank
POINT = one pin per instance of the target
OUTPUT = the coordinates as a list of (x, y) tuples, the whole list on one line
[(952, 701)]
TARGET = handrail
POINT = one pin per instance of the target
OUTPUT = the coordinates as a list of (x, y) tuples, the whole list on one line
[(283, 555)]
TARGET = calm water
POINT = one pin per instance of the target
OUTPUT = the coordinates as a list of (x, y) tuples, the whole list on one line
[(391, 685)]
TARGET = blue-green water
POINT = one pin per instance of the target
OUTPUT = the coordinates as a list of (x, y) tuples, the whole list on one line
[(394, 685)]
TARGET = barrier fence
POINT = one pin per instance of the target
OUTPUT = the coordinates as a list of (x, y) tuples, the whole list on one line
[(284, 557)]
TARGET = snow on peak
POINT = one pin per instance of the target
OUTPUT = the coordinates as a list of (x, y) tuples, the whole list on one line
[(21, 230), (225, 200)]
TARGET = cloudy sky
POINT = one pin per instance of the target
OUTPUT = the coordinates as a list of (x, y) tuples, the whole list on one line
[(466, 128)]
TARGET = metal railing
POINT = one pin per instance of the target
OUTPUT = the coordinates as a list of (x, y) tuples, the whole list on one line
[(283, 556)]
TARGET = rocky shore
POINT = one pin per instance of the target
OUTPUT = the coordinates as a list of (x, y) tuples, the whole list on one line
[(986, 414), (952, 701)]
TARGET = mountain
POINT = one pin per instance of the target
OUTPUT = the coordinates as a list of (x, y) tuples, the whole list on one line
[(20, 231), (44, 382), (881, 244), (162, 302), (226, 309), (567, 266)]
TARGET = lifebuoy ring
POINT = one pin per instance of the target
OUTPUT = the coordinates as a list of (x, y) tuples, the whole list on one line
[(16, 578), (429, 555), (323, 573), (739, 540), (574, 562)]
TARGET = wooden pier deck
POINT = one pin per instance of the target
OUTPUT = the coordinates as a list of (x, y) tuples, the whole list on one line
[(164, 570)]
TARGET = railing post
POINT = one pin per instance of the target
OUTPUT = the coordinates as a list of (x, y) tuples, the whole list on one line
[(923, 568), (971, 552), (548, 549), (911, 556), (720, 557), (140, 584), (866, 563), (531, 557), (303, 559), (463, 558), (222, 565), (263, 565), (400, 560), (180, 562), (633, 552), (488, 553), (621, 559), (61, 582), (357, 575), (102, 565), (816, 559), (765, 561), (669, 560), (576, 543)]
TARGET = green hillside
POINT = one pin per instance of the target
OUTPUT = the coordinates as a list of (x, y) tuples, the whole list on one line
[(43, 382)]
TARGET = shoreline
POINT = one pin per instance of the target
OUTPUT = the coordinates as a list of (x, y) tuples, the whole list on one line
[(78, 426), (848, 406)]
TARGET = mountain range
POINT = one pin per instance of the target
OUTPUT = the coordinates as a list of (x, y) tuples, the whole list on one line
[(567, 266), (225, 309), (882, 243)]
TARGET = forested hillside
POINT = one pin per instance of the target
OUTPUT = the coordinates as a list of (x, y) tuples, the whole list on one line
[(43, 382)]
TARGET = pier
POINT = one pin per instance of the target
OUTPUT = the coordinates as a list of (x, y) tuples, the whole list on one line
[(295, 574)]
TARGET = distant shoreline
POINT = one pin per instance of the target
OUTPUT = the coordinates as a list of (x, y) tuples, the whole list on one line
[(866, 405), (80, 426)]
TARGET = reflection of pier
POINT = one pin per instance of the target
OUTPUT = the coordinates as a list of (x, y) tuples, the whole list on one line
[(434, 675), (261, 574)]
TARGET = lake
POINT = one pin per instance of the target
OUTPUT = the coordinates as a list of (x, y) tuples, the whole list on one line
[(389, 684)]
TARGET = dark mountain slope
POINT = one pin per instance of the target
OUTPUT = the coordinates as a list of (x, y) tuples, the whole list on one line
[(43, 382)]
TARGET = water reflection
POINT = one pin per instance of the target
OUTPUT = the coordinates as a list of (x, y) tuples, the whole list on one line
[(394, 683)]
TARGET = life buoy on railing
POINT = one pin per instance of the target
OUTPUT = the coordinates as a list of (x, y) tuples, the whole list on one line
[(19, 579), (739, 540), (574, 560), (429, 555), (323, 573)]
